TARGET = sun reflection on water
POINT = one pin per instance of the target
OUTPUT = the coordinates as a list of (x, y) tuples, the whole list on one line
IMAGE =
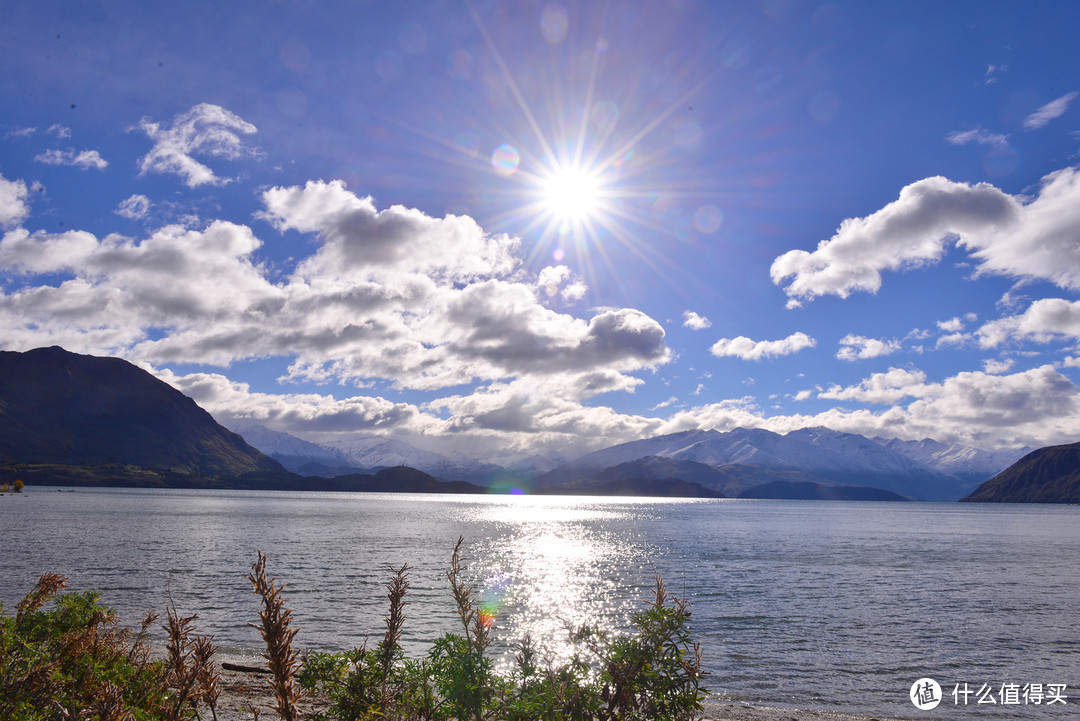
[(549, 570)]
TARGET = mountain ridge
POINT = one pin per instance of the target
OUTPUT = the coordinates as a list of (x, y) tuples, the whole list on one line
[(1046, 475), (58, 407)]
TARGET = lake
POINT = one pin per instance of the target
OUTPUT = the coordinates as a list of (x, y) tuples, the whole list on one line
[(831, 605)]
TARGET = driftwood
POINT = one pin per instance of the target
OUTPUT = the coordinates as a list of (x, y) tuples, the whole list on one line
[(243, 669)]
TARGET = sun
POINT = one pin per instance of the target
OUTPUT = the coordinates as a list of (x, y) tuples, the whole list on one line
[(571, 194)]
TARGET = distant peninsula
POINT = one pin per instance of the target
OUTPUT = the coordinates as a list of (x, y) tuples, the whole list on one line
[(1048, 475)]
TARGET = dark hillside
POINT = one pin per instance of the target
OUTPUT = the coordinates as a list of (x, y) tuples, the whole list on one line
[(1048, 475), (63, 408)]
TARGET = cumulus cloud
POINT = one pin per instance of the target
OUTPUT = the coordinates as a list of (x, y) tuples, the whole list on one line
[(134, 207), (456, 308), (62, 132), (857, 347), (1045, 320), (1050, 111), (952, 325), (889, 387), (358, 239), (1006, 235), (558, 281), (307, 413), (997, 367), (204, 130), (747, 349), (84, 159), (693, 321), (13, 205), (20, 133), (979, 136), (1037, 407)]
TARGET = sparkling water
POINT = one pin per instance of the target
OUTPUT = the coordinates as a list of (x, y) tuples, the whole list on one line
[(841, 606)]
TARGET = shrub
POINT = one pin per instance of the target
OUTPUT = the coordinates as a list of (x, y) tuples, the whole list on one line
[(72, 658), (73, 661), (18, 485), (654, 674)]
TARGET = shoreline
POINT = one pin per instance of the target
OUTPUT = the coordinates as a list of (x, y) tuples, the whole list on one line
[(240, 690)]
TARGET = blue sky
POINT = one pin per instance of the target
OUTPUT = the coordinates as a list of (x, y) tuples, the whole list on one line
[(504, 228)]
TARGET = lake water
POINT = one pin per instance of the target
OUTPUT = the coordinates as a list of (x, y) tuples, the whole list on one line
[(840, 606)]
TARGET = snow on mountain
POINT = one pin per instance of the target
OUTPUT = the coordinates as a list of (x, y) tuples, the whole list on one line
[(839, 457), (375, 452), (284, 446), (814, 449), (954, 458), (380, 452), (854, 453), (536, 465)]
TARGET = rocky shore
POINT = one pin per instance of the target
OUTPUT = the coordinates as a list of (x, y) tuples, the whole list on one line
[(243, 691)]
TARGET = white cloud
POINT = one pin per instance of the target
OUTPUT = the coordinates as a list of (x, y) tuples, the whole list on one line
[(665, 404), (1029, 239), (747, 349), (305, 413), (13, 205), (134, 207), (997, 367), (857, 347), (693, 321), (557, 280), (956, 339), (358, 240), (977, 135), (456, 308), (204, 130), (1038, 407), (699, 390), (1050, 111), (84, 159), (60, 131), (1045, 320), (20, 133), (952, 325), (890, 387)]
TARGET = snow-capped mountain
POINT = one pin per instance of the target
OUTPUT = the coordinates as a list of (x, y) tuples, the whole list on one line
[(839, 457), (924, 469), (956, 459), (376, 452), (286, 449), (536, 465)]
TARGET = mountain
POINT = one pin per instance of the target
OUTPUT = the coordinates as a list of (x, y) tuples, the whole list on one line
[(400, 479), (649, 487), (65, 409), (826, 455), (730, 479), (372, 453), (971, 465), (1048, 475), (536, 465), (294, 453), (809, 491)]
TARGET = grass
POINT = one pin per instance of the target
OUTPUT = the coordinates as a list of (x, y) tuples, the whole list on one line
[(64, 656)]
